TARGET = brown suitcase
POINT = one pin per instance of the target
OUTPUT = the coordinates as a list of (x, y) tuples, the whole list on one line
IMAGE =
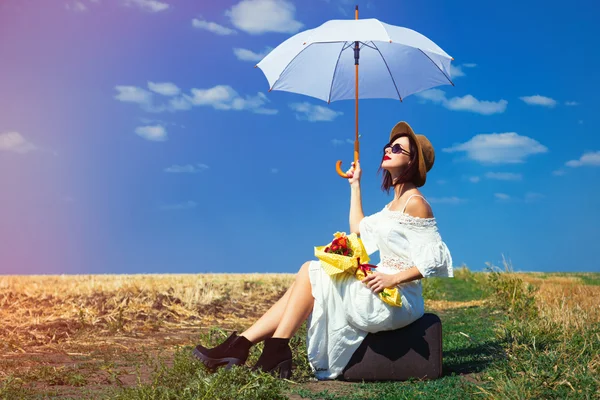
[(414, 351)]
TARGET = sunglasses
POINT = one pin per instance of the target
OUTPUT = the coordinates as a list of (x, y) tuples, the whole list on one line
[(396, 149)]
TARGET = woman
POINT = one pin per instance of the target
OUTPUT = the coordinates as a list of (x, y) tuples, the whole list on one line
[(342, 311)]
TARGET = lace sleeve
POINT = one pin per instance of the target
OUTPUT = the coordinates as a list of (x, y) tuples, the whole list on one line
[(430, 254)]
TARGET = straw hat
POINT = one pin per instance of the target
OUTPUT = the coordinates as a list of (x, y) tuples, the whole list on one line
[(425, 153)]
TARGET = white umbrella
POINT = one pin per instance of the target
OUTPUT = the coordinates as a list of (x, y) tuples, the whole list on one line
[(395, 63)]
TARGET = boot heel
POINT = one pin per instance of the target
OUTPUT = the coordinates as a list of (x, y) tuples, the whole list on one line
[(233, 361), (285, 369)]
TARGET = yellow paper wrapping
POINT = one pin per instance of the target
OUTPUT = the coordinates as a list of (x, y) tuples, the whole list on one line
[(335, 264)]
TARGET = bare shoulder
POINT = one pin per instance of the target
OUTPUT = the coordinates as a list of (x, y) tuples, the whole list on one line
[(418, 207)]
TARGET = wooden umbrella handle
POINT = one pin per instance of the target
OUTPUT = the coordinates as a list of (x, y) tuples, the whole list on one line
[(338, 164), (338, 168)]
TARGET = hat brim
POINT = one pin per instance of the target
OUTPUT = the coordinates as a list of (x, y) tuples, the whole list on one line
[(404, 127)]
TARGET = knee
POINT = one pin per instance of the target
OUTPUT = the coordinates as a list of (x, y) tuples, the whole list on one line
[(304, 267)]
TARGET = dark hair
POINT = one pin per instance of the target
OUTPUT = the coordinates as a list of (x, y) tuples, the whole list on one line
[(409, 174)]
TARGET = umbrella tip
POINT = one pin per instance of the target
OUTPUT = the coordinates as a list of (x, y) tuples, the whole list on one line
[(303, 43), (256, 66), (452, 58), (270, 89)]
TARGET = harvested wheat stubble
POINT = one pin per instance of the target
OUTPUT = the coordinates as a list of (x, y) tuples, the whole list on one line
[(565, 300), (45, 310)]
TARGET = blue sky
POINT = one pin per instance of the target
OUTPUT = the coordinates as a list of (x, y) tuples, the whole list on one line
[(136, 136)]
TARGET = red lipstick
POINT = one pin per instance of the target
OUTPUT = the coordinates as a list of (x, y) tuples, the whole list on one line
[(386, 158)]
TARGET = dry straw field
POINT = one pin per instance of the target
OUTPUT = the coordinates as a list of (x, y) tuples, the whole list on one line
[(76, 335)]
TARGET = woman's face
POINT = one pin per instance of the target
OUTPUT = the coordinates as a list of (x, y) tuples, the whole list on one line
[(396, 155)]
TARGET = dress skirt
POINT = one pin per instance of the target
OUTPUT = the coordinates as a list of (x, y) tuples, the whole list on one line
[(344, 311)]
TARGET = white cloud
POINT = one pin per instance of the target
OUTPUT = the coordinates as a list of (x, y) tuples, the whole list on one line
[(212, 27), (571, 103), (249, 55), (531, 197), (261, 16), (180, 103), (148, 5), (434, 95), (220, 97), (14, 141), (155, 133), (314, 113), (265, 111), (474, 179), (446, 200), (588, 159), (465, 103), (223, 97), (151, 121), (501, 196), (504, 176), (456, 71), (538, 100), (498, 148), (133, 94), (189, 168), (164, 88), (470, 103), (339, 142), (77, 6), (180, 206)]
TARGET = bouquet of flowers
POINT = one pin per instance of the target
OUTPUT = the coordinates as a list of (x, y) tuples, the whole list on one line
[(347, 255)]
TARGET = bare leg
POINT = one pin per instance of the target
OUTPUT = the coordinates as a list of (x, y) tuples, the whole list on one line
[(298, 307), (266, 325)]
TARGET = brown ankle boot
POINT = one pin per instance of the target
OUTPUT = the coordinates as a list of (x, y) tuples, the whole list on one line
[(233, 351), (276, 357)]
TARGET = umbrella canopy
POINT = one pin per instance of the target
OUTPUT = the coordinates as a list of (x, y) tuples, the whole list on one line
[(395, 62)]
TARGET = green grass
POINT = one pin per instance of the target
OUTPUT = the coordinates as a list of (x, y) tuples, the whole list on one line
[(188, 379), (501, 349), (465, 286), (463, 356), (469, 348), (587, 278)]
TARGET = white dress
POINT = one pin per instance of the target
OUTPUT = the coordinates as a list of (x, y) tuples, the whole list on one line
[(345, 309)]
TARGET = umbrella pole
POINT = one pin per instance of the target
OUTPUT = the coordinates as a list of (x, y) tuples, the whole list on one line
[(356, 57), (338, 165)]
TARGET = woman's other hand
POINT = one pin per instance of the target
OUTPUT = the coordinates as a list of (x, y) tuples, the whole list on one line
[(378, 281), (354, 173)]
